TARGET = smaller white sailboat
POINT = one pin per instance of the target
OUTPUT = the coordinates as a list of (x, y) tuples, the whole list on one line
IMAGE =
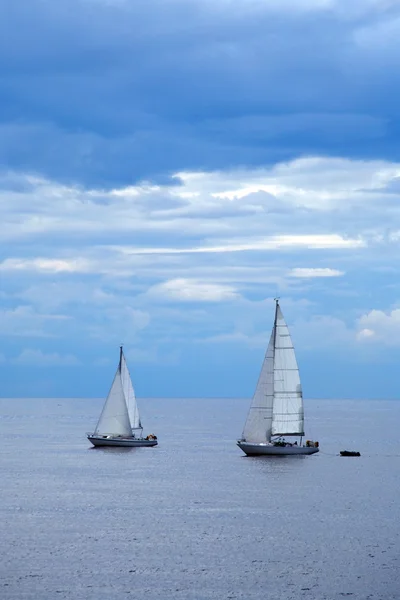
[(119, 423), (277, 411)]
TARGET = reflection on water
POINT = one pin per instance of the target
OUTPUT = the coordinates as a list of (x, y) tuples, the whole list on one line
[(115, 449)]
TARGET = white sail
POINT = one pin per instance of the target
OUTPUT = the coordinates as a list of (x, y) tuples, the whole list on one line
[(288, 411), (130, 397), (114, 419), (258, 426)]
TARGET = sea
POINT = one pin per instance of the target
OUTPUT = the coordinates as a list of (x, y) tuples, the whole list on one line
[(194, 518)]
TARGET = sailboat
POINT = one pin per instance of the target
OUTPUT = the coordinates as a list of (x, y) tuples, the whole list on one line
[(276, 411), (119, 423)]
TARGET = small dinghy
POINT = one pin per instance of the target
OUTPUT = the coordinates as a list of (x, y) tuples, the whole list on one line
[(349, 453)]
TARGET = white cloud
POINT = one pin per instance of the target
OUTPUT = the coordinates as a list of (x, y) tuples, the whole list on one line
[(203, 205), (187, 290), (365, 334), (309, 273), (112, 265), (111, 259), (41, 359), (46, 265), (259, 340), (212, 229), (329, 241), (316, 183), (322, 331), (379, 326)]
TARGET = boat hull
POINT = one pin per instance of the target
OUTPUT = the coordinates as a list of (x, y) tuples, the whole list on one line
[(349, 453), (271, 450), (121, 442)]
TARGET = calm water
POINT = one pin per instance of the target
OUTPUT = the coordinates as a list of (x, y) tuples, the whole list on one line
[(194, 518)]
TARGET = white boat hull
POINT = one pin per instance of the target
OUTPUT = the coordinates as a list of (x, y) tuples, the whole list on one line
[(271, 450), (121, 442)]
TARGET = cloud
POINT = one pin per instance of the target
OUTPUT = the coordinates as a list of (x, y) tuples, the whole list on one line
[(381, 327), (323, 332), (273, 243), (162, 179), (117, 264), (259, 340), (310, 332), (365, 334), (308, 273), (25, 321), (41, 359), (186, 290), (199, 91), (46, 265), (205, 207)]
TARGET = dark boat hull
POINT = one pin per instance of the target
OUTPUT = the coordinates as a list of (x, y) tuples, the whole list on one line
[(349, 453)]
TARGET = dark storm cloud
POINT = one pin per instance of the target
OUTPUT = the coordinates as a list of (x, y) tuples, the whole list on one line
[(115, 92)]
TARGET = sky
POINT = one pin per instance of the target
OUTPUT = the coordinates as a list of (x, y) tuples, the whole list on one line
[(169, 167)]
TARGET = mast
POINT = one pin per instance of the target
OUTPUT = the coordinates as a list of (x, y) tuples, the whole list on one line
[(273, 357), (275, 321), (120, 358), (273, 367)]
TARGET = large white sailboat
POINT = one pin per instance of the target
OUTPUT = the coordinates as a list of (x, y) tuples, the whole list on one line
[(276, 411), (119, 423)]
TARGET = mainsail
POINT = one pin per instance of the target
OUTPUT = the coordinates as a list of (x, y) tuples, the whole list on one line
[(129, 393), (277, 405), (114, 418), (288, 411)]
